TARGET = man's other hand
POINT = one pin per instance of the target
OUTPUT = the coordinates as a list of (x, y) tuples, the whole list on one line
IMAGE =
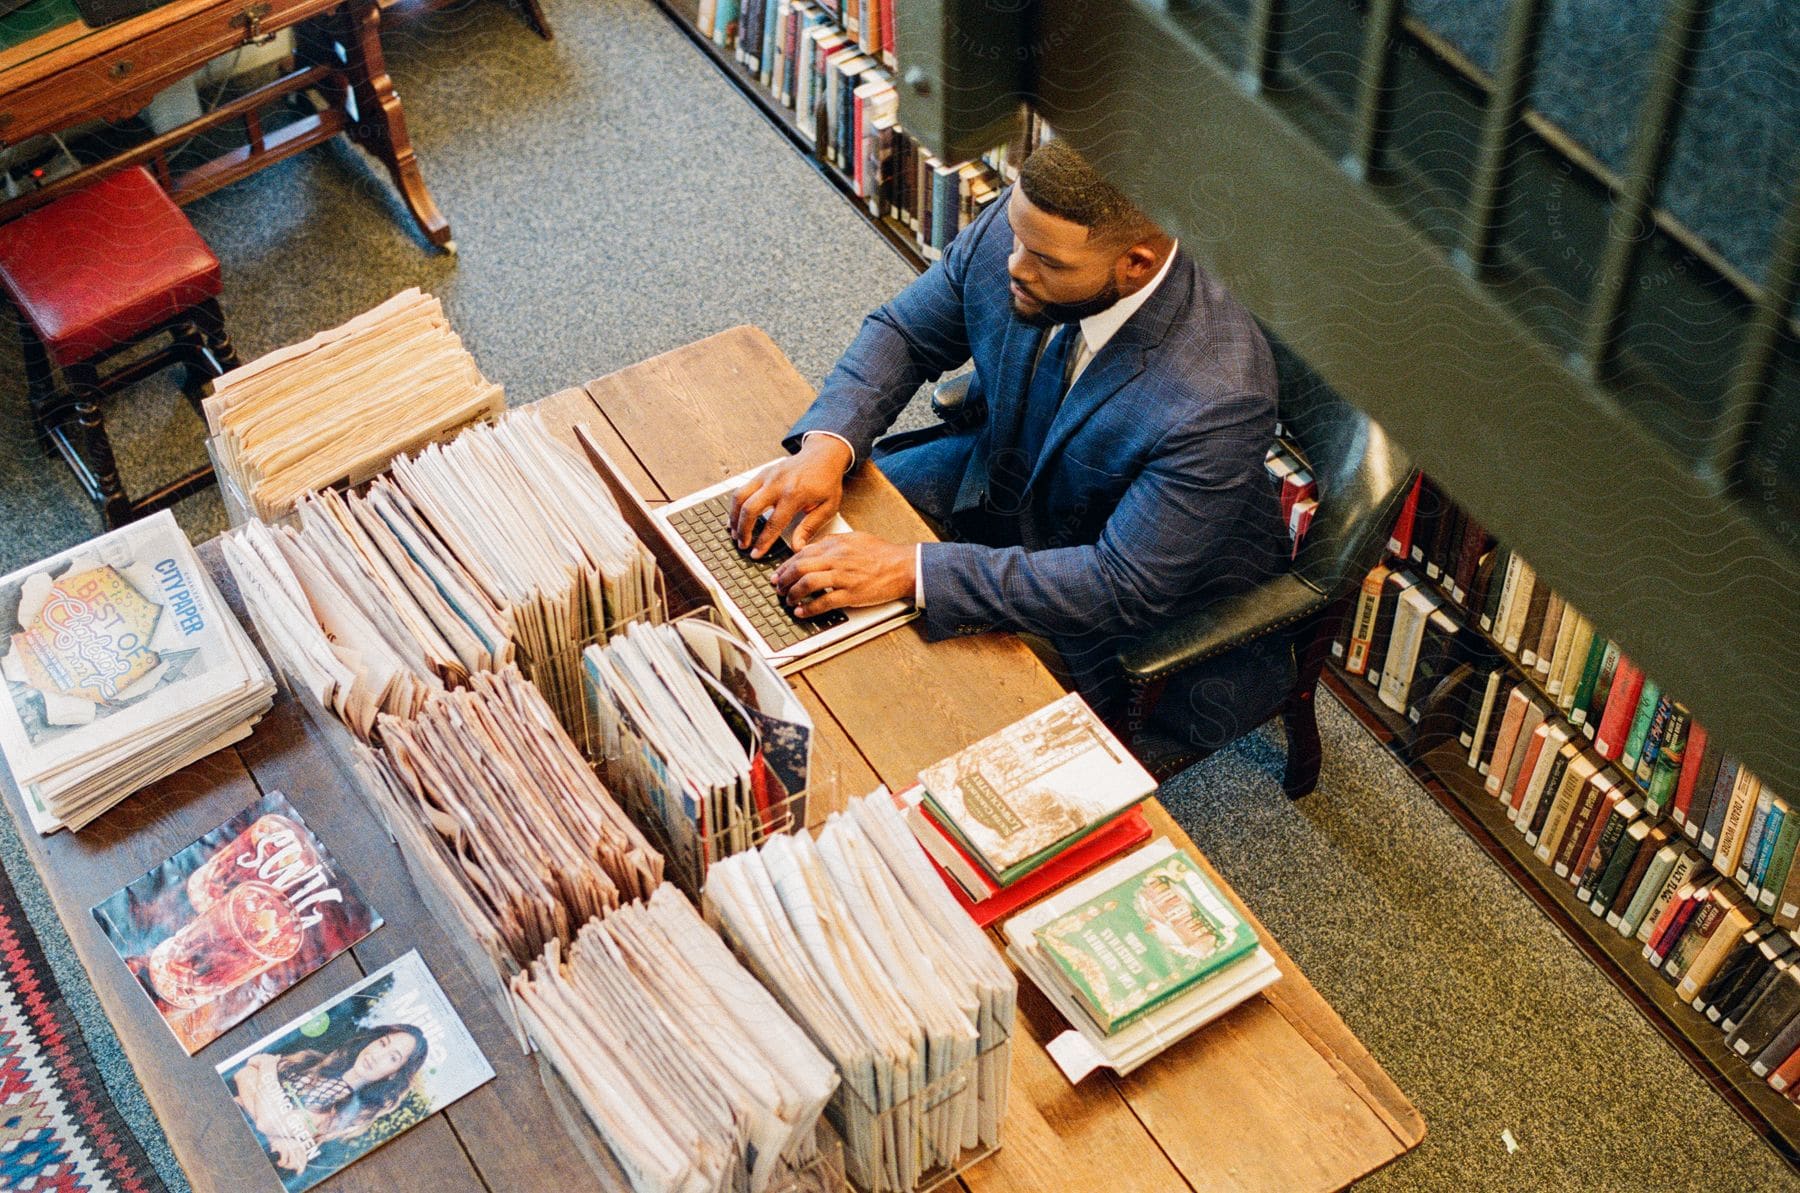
[(809, 482), (857, 569)]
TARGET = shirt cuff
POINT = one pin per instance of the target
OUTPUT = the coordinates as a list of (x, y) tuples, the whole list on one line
[(918, 575), (837, 437)]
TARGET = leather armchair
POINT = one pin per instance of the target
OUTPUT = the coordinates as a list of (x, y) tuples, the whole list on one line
[(1362, 479)]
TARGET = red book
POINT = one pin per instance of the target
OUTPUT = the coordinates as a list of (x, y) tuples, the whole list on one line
[(1670, 927), (1102, 845), (1690, 771), (1533, 748), (887, 32), (1621, 706), (1400, 538)]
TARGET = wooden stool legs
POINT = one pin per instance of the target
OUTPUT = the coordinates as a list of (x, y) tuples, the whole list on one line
[(68, 419), (92, 461)]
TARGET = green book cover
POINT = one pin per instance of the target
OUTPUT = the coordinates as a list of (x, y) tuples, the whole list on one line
[(1590, 698), (1640, 725), (1590, 675), (1132, 948), (1781, 859)]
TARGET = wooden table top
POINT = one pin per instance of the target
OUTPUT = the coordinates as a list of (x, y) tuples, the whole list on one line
[(1277, 1095)]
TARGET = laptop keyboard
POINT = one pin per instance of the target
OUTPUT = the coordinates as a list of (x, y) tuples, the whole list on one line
[(706, 528)]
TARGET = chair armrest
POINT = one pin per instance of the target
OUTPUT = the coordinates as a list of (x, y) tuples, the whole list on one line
[(1221, 626)]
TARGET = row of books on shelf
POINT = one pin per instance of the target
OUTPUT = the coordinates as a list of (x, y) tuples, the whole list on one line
[(833, 69), (1612, 785)]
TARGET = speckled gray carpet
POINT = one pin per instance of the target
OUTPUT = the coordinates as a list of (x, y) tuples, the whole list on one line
[(612, 198)]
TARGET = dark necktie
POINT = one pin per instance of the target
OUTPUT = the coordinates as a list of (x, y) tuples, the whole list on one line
[(1049, 382)]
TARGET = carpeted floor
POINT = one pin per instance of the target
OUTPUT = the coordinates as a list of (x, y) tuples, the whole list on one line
[(611, 198)]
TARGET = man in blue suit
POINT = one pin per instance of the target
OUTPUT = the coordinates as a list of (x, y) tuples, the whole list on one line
[(1116, 478)]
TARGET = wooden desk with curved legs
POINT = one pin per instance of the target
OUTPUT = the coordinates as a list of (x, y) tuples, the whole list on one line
[(71, 73)]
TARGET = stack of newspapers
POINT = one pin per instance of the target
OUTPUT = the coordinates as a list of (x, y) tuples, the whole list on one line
[(692, 1075), (490, 798), (122, 665), (339, 406), (1136, 957), (701, 736), (502, 545), (858, 939)]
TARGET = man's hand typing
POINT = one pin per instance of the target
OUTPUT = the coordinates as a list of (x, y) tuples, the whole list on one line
[(809, 482), (846, 571)]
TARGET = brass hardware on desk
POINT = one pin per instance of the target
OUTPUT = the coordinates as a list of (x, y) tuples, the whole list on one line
[(119, 69), (251, 19)]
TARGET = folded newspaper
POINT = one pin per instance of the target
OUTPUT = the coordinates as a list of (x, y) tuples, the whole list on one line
[(502, 546), (339, 406), (122, 665), (689, 1071), (858, 939)]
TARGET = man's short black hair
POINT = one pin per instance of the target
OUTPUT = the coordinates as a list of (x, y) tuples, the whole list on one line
[(1060, 181)]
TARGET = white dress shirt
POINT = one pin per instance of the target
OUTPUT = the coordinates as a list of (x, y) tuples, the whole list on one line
[(1096, 330)]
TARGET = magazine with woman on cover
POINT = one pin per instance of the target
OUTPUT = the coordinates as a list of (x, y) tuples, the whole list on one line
[(343, 1079)]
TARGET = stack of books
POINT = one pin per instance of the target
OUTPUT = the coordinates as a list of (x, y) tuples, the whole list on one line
[(859, 941), (1029, 809), (338, 407), (121, 665), (691, 1074), (1136, 957)]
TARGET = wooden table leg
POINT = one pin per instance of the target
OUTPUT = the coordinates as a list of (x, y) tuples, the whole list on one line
[(381, 122)]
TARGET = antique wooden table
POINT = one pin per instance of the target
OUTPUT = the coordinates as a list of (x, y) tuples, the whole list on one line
[(56, 72), (1278, 1095)]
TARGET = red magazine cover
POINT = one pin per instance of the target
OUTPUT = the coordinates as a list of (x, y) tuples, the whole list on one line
[(234, 919), (1125, 833)]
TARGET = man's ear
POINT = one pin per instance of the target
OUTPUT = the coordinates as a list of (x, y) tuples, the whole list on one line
[(1140, 261)]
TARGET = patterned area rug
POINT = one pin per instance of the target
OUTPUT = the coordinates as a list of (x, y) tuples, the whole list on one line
[(59, 1131)]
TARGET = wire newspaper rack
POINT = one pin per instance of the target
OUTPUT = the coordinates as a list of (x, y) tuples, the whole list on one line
[(822, 1172), (920, 1141)]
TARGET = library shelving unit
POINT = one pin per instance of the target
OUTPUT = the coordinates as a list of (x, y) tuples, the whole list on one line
[(684, 14), (1431, 752)]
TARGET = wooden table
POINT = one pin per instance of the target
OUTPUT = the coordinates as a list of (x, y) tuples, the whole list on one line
[(1277, 1095), (67, 72)]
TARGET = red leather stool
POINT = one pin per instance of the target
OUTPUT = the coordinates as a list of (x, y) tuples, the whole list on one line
[(90, 275)]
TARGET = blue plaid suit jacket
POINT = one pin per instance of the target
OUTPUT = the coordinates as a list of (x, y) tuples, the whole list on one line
[(1150, 493)]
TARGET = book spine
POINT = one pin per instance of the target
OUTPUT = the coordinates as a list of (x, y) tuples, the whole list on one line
[(1356, 658), (1508, 736), (1546, 642), (1588, 862), (1745, 852), (1766, 846), (1532, 630), (1607, 889), (1655, 876), (1490, 695), (1654, 843), (1686, 867), (1723, 785), (1400, 539), (1520, 609), (1671, 755), (1781, 861), (1621, 703), (1648, 696), (1503, 577), (1738, 812), (1594, 707), (1693, 759), (1653, 739)]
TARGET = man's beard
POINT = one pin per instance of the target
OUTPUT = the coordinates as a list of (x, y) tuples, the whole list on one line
[(1053, 313)]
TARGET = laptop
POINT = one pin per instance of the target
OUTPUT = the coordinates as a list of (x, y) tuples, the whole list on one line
[(691, 538)]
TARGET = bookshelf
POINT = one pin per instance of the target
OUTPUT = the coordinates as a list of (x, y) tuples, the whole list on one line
[(1431, 751), (684, 14)]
